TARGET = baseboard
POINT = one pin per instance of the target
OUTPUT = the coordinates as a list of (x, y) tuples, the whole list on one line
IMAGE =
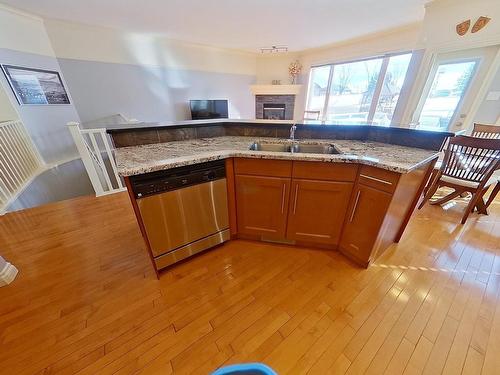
[(7, 274)]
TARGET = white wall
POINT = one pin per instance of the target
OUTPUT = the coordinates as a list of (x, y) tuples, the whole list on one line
[(274, 66), (24, 32), (24, 42), (148, 77), (93, 43), (489, 110), (441, 17), (7, 111)]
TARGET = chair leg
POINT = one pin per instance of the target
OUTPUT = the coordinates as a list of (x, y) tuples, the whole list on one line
[(493, 194), (448, 197), (480, 205), (430, 192), (430, 181), (470, 206)]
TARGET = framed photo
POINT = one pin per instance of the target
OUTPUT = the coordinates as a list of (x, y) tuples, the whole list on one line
[(35, 86)]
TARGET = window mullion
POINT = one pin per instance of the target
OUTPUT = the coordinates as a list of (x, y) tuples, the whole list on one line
[(378, 89), (327, 96)]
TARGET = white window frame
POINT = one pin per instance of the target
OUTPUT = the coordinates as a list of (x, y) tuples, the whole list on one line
[(378, 89)]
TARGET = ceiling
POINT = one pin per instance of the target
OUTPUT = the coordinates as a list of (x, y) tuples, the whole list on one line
[(248, 25)]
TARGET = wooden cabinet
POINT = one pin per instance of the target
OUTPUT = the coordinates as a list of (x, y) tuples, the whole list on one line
[(317, 210), (262, 205), (299, 201), (364, 219), (360, 210)]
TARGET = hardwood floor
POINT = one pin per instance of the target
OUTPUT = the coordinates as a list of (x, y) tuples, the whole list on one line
[(86, 300)]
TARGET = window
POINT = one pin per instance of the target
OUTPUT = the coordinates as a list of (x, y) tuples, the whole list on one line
[(358, 92), (318, 87), (448, 87)]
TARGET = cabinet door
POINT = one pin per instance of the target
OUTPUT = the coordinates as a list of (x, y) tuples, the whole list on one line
[(262, 205), (364, 219), (317, 210)]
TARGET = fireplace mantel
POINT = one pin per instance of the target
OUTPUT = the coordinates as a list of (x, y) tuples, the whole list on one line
[(275, 89)]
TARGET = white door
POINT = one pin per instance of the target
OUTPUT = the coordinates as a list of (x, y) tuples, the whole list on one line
[(444, 93), (451, 85)]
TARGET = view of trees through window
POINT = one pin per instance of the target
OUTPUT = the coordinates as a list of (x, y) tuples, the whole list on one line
[(358, 92), (447, 89)]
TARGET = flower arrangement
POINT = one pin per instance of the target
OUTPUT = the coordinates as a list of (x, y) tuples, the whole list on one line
[(294, 70)]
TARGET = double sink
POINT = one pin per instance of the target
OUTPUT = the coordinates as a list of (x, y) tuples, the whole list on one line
[(295, 148)]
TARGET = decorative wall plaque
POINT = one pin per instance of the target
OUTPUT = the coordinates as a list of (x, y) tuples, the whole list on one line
[(463, 27), (480, 23)]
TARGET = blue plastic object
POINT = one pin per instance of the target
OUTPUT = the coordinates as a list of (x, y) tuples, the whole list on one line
[(245, 369)]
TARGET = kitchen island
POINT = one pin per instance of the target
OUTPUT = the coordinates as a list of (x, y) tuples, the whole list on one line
[(356, 198)]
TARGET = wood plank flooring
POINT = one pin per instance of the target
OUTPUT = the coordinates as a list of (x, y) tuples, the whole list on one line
[(86, 300)]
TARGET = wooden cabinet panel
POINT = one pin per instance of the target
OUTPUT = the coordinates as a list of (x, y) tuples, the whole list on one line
[(378, 178), (263, 167), (324, 171), (317, 210), (364, 219), (262, 205)]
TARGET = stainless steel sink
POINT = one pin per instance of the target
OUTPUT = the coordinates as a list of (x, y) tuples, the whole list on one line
[(315, 149), (276, 147), (296, 148)]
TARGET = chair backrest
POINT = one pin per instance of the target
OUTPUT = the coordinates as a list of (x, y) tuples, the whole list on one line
[(470, 158), (486, 131)]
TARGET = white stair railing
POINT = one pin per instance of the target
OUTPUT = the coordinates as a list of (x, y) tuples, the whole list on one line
[(20, 161), (94, 148)]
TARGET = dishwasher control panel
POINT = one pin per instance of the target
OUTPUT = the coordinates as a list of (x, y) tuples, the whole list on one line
[(176, 178)]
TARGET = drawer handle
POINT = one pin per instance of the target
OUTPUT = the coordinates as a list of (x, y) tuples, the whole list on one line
[(295, 199), (355, 206), (376, 179), (283, 199)]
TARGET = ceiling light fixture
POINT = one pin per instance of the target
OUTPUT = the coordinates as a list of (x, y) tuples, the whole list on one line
[(274, 49)]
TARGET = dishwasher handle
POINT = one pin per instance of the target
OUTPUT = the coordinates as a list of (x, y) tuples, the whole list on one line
[(176, 178)]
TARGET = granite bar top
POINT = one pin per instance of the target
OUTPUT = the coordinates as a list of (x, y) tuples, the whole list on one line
[(147, 158)]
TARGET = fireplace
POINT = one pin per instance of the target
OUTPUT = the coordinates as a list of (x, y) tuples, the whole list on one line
[(274, 107), (274, 111)]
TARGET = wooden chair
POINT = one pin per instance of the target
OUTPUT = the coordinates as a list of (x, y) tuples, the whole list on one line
[(468, 165), (490, 132), (479, 131), (486, 131)]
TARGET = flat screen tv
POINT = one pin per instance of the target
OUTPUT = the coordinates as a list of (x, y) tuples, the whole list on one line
[(208, 109)]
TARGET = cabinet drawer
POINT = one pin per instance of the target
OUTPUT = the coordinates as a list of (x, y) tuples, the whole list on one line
[(324, 171), (263, 167), (377, 178)]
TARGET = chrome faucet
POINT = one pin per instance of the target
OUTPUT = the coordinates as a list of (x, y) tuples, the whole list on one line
[(292, 132)]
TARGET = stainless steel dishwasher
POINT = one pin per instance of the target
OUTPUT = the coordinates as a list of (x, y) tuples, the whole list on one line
[(184, 210)]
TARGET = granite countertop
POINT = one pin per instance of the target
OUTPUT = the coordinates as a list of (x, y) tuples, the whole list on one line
[(136, 160)]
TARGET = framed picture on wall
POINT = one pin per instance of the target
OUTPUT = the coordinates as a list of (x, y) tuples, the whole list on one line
[(35, 86)]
